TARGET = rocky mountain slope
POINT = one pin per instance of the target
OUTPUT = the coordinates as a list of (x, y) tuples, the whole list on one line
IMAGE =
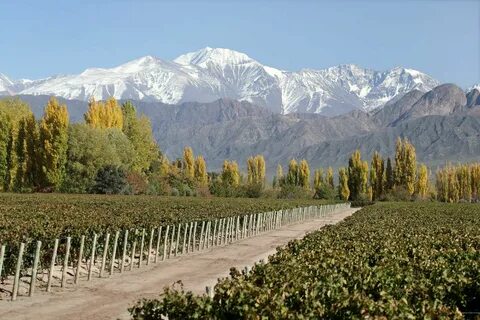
[(444, 125), (214, 73)]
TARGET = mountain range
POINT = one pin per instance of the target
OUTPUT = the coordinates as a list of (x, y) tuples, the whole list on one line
[(229, 106), (215, 73), (443, 124)]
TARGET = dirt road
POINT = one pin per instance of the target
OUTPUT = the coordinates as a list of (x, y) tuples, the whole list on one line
[(110, 298)]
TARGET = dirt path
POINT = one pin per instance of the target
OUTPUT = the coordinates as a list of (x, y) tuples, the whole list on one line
[(109, 299)]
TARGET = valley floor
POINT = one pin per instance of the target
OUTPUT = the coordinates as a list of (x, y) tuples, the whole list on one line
[(109, 299)]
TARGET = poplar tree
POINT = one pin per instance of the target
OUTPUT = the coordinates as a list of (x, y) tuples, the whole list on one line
[(256, 170), (292, 175), (343, 190), (104, 115), (464, 183), (318, 178), (377, 176), (389, 176), (201, 171), (139, 132), (279, 179), (405, 165), (261, 169), (27, 143), (329, 179), (53, 139), (422, 181), (304, 174), (188, 162), (357, 175), (475, 180), (230, 173)]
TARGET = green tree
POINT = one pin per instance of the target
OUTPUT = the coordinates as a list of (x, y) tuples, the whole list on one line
[(292, 175), (53, 140), (27, 174), (139, 132), (12, 113), (110, 180), (90, 149)]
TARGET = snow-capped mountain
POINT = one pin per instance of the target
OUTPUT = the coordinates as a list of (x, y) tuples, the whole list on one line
[(212, 73), (475, 86)]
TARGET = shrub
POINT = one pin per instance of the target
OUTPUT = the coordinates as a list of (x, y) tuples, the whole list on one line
[(111, 180), (325, 192), (288, 191)]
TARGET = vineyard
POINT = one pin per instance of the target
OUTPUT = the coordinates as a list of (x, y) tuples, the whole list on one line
[(388, 261), (48, 238), (47, 216)]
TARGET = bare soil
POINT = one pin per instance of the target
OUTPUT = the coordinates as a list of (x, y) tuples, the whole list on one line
[(110, 298)]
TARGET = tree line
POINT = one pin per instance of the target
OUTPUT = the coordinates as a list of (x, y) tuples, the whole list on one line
[(113, 151)]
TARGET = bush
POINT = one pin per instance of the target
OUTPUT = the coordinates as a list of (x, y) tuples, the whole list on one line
[(362, 200), (294, 192), (325, 192), (111, 180), (398, 194), (137, 183), (253, 190)]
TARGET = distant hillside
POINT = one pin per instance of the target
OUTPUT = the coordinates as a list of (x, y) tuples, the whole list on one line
[(443, 124)]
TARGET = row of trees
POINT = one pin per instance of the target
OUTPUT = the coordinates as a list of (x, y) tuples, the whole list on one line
[(53, 155), (115, 146), (458, 183)]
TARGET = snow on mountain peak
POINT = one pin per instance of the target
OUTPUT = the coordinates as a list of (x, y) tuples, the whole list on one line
[(213, 73), (475, 86), (219, 56)]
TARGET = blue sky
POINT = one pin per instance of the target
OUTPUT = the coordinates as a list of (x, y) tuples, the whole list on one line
[(441, 38)]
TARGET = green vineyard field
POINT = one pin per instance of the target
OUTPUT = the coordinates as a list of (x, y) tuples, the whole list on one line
[(26, 217), (387, 261)]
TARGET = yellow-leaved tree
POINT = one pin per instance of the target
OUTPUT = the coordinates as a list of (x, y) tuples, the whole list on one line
[(304, 174), (189, 162), (104, 115), (53, 139), (343, 189), (201, 171), (422, 181)]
